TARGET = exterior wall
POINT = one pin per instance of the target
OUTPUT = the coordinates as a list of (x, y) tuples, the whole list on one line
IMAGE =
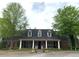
[(65, 44)]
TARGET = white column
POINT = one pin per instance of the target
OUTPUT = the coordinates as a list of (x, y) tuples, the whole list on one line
[(33, 45), (20, 46), (58, 44), (46, 44)]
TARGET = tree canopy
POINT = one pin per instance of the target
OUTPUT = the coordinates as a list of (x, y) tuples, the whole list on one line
[(15, 13), (67, 22), (12, 22), (6, 28)]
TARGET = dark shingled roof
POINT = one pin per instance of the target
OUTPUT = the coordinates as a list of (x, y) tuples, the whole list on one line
[(24, 35)]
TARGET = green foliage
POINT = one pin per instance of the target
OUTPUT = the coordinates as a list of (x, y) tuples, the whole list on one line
[(67, 22), (6, 28), (2, 44), (13, 21), (15, 13)]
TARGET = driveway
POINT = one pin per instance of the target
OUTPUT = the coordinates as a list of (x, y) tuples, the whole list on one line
[(39, 54)]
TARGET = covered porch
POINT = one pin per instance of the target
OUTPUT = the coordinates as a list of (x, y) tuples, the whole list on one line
[(39, 44)]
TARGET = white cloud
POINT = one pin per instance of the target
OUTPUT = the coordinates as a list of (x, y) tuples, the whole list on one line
[(43, 19)]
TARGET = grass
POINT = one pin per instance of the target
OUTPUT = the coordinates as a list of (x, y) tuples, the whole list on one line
[(30, 49), (56, 49), (17, 49), (25, 49)]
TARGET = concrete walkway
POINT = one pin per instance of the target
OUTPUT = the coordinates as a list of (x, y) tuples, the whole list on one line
[(38, 55)]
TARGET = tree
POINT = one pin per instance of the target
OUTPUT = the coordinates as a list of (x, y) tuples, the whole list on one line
[(67, 23), (14, 15), (6, 29)]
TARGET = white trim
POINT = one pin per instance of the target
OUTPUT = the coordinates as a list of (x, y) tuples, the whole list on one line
[(20, 46), (49, 34), (33, 45), (58, 44), (39, 33), (29, 33), (46, 44)]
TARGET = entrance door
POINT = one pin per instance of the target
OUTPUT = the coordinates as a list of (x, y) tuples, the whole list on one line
[(39, 44)]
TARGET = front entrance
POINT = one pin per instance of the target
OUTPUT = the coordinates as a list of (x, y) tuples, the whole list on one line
[(39, 44)]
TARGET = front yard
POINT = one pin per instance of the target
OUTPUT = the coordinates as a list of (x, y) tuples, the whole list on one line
[(28, 53)]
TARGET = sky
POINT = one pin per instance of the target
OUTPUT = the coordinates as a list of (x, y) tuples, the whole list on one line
[(40, 13)]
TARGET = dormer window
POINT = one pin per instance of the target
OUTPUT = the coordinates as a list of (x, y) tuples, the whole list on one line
[(49, 33), (29, 33), (39, 33)]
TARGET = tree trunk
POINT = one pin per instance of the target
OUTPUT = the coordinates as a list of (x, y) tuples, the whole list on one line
[(73, 45), (15, 44), (11, 44), (7, 44)]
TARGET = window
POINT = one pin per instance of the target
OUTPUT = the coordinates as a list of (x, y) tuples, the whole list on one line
[(29, 33), (39, 33), (49, 33)]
